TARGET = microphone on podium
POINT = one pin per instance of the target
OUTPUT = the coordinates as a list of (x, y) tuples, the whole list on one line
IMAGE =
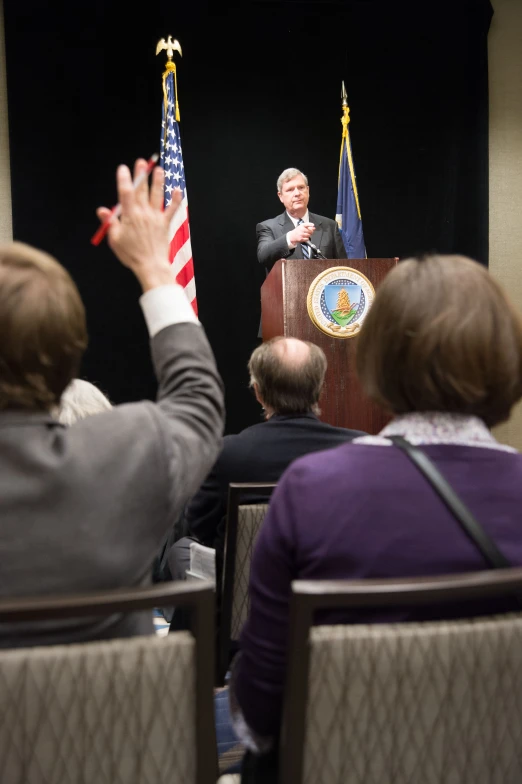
[(316, 250)]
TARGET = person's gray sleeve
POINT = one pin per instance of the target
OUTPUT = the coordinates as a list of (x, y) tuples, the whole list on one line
[(269, 250), (340, 250), (190, 408)]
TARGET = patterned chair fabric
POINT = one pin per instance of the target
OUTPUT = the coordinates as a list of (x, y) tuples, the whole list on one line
[(116, 712), (429, 703), (250, 519)]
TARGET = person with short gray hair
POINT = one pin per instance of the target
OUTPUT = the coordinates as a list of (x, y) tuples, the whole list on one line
[(287, 175), (297, 233), (80, 400), (287, 376)]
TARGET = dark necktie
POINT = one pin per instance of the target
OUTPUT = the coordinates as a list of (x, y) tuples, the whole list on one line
[(305, 248)]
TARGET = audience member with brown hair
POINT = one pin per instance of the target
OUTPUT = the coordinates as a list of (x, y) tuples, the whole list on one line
[(441, 350), (86, 507), (287, 376)]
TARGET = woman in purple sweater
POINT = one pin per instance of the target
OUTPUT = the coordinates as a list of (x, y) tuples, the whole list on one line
[(441, 349)]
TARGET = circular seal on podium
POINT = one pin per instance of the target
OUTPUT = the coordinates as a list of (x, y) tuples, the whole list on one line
[(339, 300)]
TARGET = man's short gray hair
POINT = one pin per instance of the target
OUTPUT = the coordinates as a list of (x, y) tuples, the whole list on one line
[(286, 386), (80, 400), (289, 174)]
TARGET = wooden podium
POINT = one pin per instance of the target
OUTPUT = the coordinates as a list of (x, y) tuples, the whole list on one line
[(284, 311)]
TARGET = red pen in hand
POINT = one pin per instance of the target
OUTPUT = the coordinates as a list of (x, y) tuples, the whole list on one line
[(116, 211)]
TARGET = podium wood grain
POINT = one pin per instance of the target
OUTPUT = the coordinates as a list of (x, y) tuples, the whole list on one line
[(284, 312)]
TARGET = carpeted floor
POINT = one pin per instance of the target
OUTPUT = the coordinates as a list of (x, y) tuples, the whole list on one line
[(230, 749)]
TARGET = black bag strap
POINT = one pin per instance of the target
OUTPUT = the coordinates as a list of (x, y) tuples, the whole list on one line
[(467, 520)]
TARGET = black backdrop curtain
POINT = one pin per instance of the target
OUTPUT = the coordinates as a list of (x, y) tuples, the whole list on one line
[(259, 89)]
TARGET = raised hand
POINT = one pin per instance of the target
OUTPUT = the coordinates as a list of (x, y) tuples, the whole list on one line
[(139, 237)]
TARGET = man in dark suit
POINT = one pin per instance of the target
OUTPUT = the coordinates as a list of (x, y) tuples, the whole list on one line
[(288, 235), (287, 376)]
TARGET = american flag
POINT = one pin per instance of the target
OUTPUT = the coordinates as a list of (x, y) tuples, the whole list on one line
[(172, 162)]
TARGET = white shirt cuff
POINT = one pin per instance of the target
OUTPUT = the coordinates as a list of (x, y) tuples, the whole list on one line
[(290, 244), (166, 305)]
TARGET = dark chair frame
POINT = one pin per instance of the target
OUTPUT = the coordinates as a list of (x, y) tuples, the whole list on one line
[(198, 597), (309, 596), (238, 493)]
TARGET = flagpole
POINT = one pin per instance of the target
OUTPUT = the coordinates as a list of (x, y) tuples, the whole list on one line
[(345, 119), (180, 247)]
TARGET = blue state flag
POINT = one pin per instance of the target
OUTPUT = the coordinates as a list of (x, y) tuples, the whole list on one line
[(348, 215)]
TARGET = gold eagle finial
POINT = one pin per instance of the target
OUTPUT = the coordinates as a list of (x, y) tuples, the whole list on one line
[(170, 47)]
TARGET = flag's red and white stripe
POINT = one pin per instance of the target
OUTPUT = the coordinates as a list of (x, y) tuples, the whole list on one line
[(181, 252)]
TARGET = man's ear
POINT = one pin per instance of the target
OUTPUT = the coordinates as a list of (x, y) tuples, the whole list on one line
[(280, 196), (256, 393)]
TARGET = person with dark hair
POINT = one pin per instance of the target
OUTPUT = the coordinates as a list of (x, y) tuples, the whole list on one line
[(441, 349), (287, 377), (86, 507)]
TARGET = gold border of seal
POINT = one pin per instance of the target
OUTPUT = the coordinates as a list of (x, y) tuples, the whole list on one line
[(311, 290)]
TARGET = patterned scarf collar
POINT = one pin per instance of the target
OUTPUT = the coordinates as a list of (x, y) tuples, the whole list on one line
[(435, 427)]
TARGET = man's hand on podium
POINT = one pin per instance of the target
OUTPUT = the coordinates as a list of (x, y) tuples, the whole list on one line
[(301, 233)]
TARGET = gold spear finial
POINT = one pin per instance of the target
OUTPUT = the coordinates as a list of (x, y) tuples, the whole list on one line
[(345, 119), (170, 46), (344, 97)]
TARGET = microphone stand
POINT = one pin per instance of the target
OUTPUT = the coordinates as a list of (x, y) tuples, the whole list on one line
[(317, 253)]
